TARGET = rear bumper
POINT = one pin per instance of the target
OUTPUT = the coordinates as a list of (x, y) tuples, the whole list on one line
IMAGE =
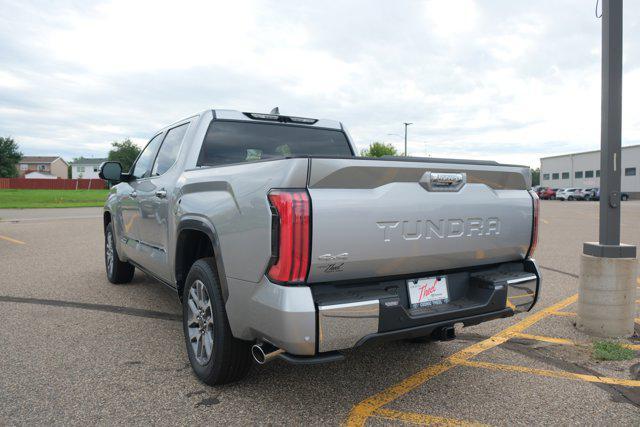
[(321, 318)]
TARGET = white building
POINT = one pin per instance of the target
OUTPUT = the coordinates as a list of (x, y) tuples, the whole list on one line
[(86, 168), (582, 170)]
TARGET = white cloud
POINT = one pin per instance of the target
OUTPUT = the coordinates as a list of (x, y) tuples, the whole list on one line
[(451, 17)]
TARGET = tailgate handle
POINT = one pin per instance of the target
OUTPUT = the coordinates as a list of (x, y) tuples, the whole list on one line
[(443, 181)]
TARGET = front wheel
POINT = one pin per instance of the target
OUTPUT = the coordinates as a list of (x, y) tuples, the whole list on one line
[(570, 198), (117, 271), (215, 355)]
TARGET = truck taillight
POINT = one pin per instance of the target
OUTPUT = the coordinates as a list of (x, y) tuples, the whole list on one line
[(290, 236), (534, 231)]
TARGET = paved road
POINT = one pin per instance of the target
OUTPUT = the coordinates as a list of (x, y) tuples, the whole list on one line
[(75, 349)]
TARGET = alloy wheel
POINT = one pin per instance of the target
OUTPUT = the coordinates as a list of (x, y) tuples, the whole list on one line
[(200, 322), (110, 253)]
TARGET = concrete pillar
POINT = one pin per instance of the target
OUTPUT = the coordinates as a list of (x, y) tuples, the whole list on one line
[(606, 301)]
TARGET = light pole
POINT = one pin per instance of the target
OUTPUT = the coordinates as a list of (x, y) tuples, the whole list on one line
[(405, 137), (606, 301)]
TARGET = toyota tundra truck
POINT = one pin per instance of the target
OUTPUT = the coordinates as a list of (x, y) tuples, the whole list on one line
[(281, 243)]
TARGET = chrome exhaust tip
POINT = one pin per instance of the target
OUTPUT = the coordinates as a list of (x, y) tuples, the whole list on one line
[(264, 352)]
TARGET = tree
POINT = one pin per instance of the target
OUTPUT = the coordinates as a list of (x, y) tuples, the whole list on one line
[(124, 152), (379, 149), (10, 155), (535, 176)]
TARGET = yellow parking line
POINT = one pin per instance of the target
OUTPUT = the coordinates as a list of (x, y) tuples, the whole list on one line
[(422, 419), (574, 314), (565, 341), (565, 313), (365, 409), (552, 374), (9, 239), (510, 305), (552, 340)]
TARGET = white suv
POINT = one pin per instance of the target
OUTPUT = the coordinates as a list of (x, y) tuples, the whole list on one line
[(569, 194)]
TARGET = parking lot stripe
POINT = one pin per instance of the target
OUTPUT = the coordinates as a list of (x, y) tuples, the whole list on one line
[(564, 341), (574, 314), (552, 340), (365, 409), (9, 239), (564, 313), (552, 374), (422, 419)]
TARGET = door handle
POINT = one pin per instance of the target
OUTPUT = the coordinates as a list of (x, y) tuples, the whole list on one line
[(161, 194), (134, 194)]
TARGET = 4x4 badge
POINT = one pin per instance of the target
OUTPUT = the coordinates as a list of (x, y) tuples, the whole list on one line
[(329, 257)]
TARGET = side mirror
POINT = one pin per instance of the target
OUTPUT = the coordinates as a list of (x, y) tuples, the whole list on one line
[(111, 171)]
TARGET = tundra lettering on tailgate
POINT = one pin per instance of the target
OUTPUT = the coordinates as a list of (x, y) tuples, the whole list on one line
[(440, 229)]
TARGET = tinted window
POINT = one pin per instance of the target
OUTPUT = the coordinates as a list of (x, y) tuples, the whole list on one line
[(169, 151), (588, 174), (142, 168), (545, 176), (630, 172), (565, 175), (578, 174), (556, 176), (598, 173), (237, 142)]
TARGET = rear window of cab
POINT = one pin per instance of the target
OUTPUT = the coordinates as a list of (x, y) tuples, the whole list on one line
[(229, 142)]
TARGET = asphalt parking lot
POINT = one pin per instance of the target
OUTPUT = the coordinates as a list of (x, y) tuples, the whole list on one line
[(75, 349)]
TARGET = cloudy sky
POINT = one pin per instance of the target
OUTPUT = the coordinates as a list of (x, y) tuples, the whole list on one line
[(505, 80)]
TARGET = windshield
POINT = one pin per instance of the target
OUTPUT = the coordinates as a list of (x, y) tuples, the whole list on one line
[(229, 142)]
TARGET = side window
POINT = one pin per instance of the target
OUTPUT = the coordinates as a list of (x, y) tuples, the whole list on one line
[(142, 169), (169, 150)]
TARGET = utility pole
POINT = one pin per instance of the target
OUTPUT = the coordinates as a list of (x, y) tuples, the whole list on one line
[(606, 300), (405, 137), (610, 136)]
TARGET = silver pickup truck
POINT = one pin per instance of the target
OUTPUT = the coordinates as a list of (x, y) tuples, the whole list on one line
[(280, 242)]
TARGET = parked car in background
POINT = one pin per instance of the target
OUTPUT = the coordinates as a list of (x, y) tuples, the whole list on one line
[(548, 194), (596, 195), (590, 193), (568, 194)]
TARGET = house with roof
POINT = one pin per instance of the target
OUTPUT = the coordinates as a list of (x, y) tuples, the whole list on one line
[(51, 167), (86, 168)]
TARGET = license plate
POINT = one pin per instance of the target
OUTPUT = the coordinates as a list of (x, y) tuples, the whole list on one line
[(428, 291)]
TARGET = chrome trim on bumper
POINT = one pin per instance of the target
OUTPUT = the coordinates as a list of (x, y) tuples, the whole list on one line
[(341, 326), (521, 279), (522, 292)]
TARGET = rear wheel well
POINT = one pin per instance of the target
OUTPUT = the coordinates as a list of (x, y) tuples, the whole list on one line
[(191, 246)]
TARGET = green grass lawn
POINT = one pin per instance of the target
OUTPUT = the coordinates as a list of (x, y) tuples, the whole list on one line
[(19, 199)]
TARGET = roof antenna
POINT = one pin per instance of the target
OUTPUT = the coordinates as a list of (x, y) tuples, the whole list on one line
[(275, 110)]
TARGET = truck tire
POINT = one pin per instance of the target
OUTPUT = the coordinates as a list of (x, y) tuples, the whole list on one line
[(117, 271), (215, 355)]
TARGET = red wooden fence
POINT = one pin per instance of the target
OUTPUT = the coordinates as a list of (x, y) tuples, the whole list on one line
[(53, 184)]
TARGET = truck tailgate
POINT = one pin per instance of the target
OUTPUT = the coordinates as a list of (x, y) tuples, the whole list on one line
[(380, 218)]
